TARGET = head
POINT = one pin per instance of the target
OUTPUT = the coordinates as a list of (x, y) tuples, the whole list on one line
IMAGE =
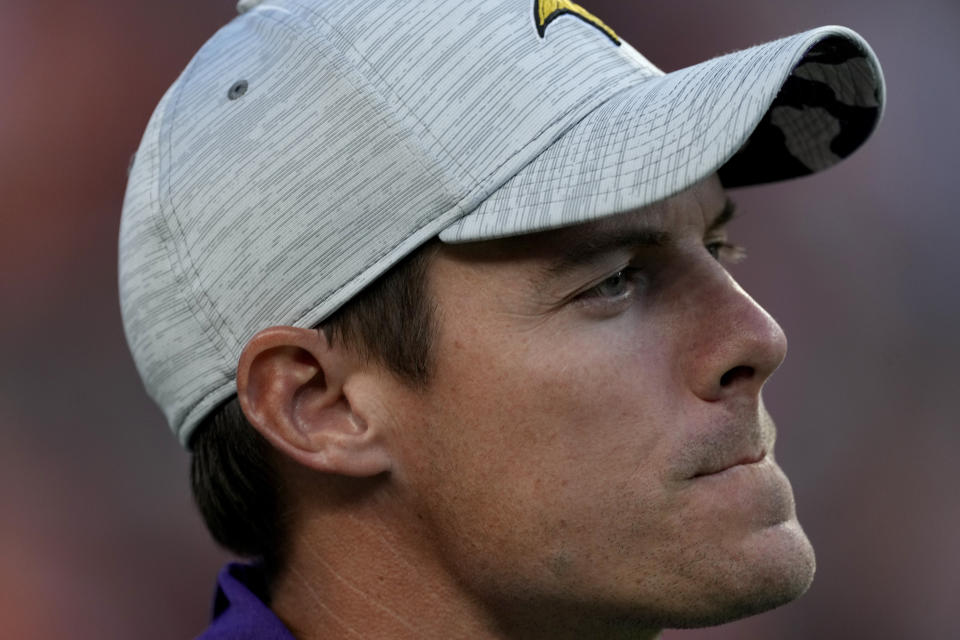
[(594, 436), (591, 438), (579, 431)]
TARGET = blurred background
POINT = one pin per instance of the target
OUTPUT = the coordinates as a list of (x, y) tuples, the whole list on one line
[(98, 535)]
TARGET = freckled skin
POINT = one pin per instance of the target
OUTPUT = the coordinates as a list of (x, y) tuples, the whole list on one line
[(555, 451)]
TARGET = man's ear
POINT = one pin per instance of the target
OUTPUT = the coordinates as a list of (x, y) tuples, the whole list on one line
[(291, 386)]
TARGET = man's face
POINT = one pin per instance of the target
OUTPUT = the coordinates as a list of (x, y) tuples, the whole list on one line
[(593, 437)]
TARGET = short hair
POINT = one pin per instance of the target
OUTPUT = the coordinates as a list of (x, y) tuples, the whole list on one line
[(233, 474)]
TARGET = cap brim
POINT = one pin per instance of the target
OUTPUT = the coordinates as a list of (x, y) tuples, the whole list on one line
[(775, 111)]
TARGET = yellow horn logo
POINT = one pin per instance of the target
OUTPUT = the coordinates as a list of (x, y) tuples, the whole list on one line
[(546, 11)]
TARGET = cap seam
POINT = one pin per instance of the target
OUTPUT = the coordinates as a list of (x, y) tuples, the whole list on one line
[(343, 44), (180, 255)]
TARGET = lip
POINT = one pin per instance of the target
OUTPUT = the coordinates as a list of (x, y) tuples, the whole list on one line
[(742, 460)]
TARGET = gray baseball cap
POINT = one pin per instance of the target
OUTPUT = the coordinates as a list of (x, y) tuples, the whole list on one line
[(312, 144)]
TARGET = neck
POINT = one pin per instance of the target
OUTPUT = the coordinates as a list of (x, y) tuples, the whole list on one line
[(368, 581)]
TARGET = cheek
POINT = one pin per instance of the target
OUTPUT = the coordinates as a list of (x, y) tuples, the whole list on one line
[(555, 405), (543, 456)]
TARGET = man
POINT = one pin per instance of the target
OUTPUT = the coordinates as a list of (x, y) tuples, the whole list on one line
[(434, 294)]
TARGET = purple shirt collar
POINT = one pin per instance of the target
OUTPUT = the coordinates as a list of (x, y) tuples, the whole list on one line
[(239, 611)]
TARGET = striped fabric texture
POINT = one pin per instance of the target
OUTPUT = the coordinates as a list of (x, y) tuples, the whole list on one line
[(310, 145)]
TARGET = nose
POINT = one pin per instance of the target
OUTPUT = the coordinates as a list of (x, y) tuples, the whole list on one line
[(736, 344)]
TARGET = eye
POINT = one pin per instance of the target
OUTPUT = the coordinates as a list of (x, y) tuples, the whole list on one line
[(714, 249), (615, 286), (723, 251)]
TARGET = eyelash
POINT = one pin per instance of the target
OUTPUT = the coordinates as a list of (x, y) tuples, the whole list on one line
[(726, 252)]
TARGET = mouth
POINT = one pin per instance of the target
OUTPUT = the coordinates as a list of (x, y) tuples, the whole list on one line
[(742, 460)]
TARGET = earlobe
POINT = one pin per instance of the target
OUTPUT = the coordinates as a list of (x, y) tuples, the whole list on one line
[(293, 388)]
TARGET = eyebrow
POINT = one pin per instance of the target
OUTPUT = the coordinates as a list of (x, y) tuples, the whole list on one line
[(728, 213), (608, 240)]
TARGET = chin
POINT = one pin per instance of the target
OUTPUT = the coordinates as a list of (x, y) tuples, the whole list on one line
[(776, 568)]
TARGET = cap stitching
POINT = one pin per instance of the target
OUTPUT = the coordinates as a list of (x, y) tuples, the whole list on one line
[(181, 251), (416, 151), (343, 40)]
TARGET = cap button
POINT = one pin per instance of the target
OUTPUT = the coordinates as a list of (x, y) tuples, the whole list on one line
[(245, 5)]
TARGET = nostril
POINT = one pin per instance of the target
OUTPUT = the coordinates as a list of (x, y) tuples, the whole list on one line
[(737, 373)]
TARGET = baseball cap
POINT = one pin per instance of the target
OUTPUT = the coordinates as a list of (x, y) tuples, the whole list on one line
[(312, 144)]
